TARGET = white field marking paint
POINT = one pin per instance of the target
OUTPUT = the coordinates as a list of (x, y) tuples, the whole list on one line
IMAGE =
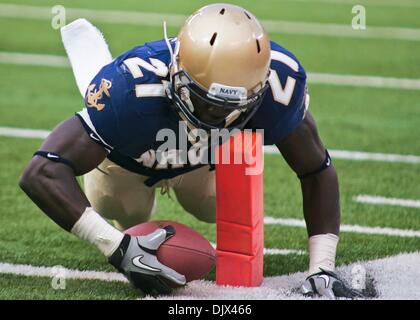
[(29, 270), (34, 59), (363, 81), (23, 133), (274, 251), (360, 155), (373, 3), (364, 198), (347, 228), (403, 286), (336, 154), (386, 157), (313, 77), (40, 271), (175, 20)]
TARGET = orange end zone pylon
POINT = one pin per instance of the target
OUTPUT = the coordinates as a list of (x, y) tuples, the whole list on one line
[(240, 211)]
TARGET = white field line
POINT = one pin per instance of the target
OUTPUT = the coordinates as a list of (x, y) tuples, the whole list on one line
[(363, 81), (23, 133), (370, 3), (372, 156), (313, 77), (360, 155), (336, 154), (285, 252), (347, 228), (396, 277), (403, 284), (29, 270), (175, 20), (275, 251), (410, 203), (34, 59)]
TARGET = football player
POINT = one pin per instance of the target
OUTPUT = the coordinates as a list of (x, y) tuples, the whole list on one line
[(221, 72)]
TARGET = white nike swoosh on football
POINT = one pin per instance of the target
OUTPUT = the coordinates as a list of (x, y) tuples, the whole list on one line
[(49, 155), (137, 262), (326, 278)]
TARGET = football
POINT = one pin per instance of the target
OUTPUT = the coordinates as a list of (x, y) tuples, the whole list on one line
[(187, 252)]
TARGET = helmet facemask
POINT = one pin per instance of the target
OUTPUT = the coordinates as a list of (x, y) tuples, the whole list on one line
[(207, 109)]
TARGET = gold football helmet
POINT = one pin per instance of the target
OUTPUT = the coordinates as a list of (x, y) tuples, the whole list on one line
[(220, 67)]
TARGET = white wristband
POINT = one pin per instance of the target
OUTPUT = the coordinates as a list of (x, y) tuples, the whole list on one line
[(95, 229), (322, 250)]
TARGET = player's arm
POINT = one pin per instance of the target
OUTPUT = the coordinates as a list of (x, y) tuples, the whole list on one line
[(52, 186), (304, 152)]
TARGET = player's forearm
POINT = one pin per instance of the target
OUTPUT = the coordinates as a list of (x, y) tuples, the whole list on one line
[(322, 215), (321, 202), (54, 189)]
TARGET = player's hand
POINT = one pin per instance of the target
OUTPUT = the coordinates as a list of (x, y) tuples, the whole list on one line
[(136, 259), (327, 284)]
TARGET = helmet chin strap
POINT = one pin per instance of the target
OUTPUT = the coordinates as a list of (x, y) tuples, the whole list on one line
[(189, 124), (185, 96), (231, 117), (228, 120), (174, 62)]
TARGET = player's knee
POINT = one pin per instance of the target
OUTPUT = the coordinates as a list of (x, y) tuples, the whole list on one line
[(204, 210), (123, 223), (206, 218), (125, 212), (119, 197)]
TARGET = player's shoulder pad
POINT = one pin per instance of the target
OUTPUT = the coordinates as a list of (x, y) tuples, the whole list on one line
[(285, 62), (283, 107), (146, 64)]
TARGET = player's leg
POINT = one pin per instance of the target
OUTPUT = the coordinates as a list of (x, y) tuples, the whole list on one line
[(196, 192), (119, 195)]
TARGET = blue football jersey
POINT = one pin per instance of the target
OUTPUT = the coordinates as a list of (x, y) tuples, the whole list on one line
[(285, 104), (126, 106)]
